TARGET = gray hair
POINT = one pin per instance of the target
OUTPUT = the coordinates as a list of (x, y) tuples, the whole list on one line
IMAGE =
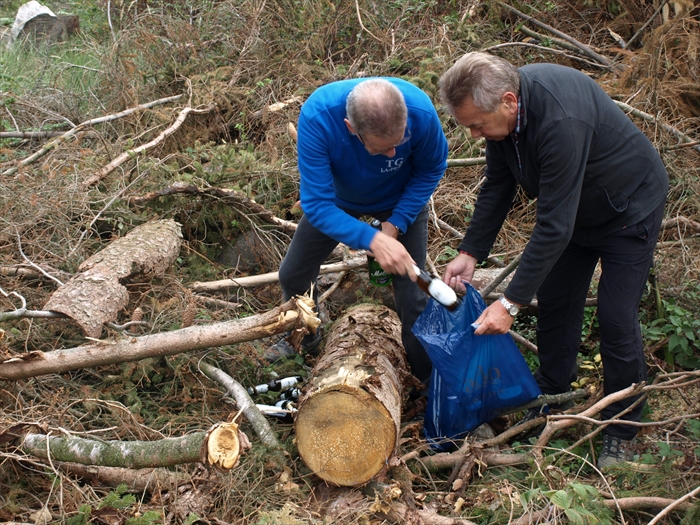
[(482, 77), (376, 107)]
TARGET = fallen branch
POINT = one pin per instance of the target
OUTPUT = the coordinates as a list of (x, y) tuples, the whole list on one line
[(651, 118), (642, 503), (136, 480), (292, 314), (260, 425), (673, 505), (121, 159), (582, 47), (651, 19), (58, 141), (454, 163), (272, 277), (30, 273), (677, 221), (30, 134), (227, 195), (166, 452)]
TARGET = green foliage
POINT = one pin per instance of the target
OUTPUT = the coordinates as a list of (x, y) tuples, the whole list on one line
[(82, 517), (578, 502), (680, 326), (118, 499)]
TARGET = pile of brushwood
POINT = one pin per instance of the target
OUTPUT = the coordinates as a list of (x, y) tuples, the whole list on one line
[(148, 171)]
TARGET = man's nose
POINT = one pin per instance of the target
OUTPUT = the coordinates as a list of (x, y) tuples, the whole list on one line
[(390, 153), (475, 133)]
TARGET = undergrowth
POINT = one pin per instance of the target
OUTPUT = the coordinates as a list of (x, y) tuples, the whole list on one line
[(240, 58)]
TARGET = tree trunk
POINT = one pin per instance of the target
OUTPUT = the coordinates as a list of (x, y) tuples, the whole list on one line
[(96, 295), (294, 314), (348, 421)]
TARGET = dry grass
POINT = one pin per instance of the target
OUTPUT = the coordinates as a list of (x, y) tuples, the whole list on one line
[(243, 56)]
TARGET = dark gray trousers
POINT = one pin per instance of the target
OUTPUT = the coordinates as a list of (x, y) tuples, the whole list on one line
[(309, 248), (626, 257)]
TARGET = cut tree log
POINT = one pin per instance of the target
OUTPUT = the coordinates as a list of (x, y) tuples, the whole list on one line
[(297, 313), (95, 296), (347, 426), (220, 446)]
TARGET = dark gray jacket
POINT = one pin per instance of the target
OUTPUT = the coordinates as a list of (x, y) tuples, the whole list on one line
[(592, 171)]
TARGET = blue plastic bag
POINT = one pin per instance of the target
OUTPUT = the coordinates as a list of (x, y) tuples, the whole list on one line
[(475, 377)]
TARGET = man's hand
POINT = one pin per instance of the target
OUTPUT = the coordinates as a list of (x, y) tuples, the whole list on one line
[(391, 255), (460, 269), (494, 320)]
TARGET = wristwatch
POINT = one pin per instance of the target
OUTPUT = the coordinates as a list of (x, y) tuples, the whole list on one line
[(511, 308)]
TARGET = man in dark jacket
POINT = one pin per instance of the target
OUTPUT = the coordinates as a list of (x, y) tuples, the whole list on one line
[(601, 189)]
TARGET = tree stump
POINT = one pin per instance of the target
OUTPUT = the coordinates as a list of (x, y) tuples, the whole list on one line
[(347, 426)]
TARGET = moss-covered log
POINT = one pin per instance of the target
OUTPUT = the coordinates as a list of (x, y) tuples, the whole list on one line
[(165, 452), (348, 420)]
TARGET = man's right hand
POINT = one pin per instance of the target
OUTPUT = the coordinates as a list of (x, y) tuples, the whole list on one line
[(392, 255), (460, 269)]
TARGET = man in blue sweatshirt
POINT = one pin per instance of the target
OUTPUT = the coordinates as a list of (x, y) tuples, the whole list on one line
[(367, 148), (600, 187)]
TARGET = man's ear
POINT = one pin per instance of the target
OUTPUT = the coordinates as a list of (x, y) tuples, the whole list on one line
[(350, 128), (510, 99)]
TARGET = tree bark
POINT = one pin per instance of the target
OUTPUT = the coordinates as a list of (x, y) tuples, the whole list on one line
[(165, 452), (219, 446), (348, 421), (294, 314), (136, 480), (95, 296)]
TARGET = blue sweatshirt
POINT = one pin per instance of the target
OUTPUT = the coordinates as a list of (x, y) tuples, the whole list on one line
[(337, 172)]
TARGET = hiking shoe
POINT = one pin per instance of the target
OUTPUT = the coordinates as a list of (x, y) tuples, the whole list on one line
[(615, 450), (283, 348)]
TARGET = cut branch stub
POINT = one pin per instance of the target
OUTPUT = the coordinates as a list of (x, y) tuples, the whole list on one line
[(348, 420), (95, 296)]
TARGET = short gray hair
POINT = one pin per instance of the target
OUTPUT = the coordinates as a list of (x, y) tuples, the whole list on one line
[(482, 77), (376, 107)]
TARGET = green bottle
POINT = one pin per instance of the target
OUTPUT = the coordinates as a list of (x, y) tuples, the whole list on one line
[(377, 275)]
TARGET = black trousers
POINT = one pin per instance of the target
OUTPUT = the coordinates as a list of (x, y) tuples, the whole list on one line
[(625, 257), (309, 248)]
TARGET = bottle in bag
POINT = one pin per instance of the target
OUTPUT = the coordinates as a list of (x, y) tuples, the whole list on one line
[(436, 289), (377, 275), (276, 385)]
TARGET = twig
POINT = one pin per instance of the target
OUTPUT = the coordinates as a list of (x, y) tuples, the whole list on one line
[(29, 134), (454, 231), (35, 266), (639, 31), (121, 159), (58, 141), (333, 288), (245, 403), (584, 48), (667, 127), (359, 19), (546, 50), (523, 341), (474, 161), (499, 278), (673, 505), (217, 302), (622, 422)]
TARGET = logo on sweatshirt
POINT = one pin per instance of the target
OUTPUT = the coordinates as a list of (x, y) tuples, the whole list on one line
[(392, 165)]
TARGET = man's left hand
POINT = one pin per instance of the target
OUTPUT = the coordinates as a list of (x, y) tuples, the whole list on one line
[(494, 320)]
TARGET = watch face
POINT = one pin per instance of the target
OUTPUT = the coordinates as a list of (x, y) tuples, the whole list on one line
[(514, 310)]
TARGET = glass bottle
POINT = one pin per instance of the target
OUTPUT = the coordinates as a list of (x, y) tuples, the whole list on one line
[(436, 289), (378, 276)]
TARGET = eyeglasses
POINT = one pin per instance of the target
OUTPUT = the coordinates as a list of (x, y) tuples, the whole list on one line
[(404, 140)]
